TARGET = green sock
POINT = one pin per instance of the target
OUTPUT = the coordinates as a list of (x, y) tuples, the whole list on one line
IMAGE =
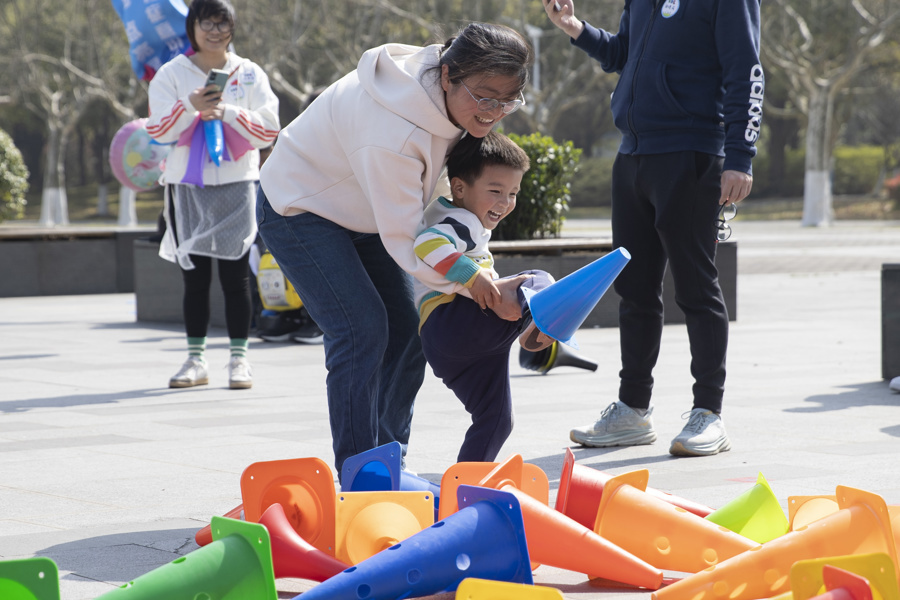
[(239, 347), (196, 346)]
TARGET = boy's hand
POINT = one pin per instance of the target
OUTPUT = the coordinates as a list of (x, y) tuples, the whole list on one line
[(509, 308), (483, 290)]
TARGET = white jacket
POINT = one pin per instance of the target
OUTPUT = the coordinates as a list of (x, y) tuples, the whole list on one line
[(369, 152), (251, 108)]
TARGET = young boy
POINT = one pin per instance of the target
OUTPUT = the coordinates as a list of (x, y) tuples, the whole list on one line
[(467, 345)]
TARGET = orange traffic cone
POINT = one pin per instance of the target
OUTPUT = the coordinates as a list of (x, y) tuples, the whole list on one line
[(368, 522), (29, 579), (303, 486), (556, 540), (292, 556), (803, 510), (861, 525), (666, 536), (204, 535), (533, 482), (580, 490)]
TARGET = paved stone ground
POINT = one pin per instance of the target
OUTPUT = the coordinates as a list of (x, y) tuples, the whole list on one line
[(110, 473)]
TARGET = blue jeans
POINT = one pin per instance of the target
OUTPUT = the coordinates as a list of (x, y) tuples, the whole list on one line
[(363, 302)]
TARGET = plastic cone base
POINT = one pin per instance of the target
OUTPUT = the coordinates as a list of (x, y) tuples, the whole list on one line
[(29, 579), (368, 522), (303, 486)]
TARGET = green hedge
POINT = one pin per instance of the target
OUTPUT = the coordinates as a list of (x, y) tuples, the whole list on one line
[(856, 171), (545, 194), (13, 179)]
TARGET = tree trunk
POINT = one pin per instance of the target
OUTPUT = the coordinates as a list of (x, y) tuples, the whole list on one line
[(127, 207), (54, 202), (817, 199)]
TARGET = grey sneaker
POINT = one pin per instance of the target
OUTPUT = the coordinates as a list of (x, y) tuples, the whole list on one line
[(895, 384), (704, 435), (193, 372), (618, 425), (240, 376)]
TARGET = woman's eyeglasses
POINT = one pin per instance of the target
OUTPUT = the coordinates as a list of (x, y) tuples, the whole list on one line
[(723, 228), (222, 26), (490, 104)]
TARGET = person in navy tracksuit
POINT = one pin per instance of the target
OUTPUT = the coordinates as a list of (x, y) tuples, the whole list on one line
[(689, 106)]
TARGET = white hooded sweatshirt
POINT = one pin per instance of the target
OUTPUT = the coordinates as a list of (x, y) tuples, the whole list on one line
[(369, 153)]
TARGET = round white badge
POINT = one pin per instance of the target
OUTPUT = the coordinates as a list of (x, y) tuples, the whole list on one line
[(670, 7)]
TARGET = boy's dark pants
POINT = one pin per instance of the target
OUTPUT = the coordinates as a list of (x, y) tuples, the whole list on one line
[(468, 348)]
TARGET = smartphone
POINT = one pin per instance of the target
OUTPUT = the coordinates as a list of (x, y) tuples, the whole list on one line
[(218, 78)]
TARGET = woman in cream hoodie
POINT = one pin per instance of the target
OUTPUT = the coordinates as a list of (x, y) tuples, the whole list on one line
[(342, 199)]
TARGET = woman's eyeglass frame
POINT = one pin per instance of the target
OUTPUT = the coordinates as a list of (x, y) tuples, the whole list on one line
[(491, 104), (208, 25), (723, 229)]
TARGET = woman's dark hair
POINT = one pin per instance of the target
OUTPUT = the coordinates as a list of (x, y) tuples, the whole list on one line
[(207, 9), (472, 154), (487, 50)]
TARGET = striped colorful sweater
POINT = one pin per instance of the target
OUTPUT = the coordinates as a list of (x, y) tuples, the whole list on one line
[(455, 244)]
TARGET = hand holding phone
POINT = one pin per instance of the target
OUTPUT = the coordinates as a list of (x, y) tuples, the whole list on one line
[(218, 78)]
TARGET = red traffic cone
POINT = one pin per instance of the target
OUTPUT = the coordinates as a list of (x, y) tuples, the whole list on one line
[(204, 535), (292, 556)]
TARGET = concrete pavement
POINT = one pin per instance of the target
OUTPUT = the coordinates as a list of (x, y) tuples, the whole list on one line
[(110, 473)]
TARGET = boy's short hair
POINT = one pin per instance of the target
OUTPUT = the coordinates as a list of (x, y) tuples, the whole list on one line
[(471, 155)]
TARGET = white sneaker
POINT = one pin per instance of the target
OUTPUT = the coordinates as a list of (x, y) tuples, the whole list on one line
[(704, 435), (193, 372), (895, 384), (240, 376), (618, 425)]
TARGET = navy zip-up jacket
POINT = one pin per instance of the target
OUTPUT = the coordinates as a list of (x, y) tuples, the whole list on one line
[(690, 77)]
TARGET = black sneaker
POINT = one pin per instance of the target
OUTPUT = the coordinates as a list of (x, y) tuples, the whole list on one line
[(309, 333), (278, 327)]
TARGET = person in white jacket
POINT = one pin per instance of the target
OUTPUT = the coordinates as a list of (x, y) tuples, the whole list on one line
[(209, 207), (342, 199)]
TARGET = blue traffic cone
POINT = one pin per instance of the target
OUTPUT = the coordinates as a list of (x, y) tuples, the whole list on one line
[(485, 539), (378, 470), (29, 579), (559, 309)]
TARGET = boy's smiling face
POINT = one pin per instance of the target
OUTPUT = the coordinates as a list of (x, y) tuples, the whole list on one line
[(491, 196)]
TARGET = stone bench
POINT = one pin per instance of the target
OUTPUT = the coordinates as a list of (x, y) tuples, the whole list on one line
[(158, 286), (67, 260)]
